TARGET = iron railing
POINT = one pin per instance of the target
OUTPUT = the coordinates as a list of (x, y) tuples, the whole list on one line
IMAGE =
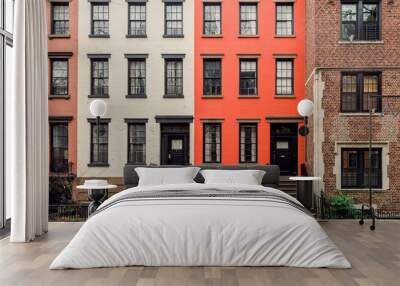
[(68, 212)]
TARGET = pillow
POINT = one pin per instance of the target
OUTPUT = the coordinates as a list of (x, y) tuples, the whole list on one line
[(166, 176), (248, 177)]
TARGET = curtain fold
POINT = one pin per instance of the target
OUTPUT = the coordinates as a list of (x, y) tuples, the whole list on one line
[(27, 117)]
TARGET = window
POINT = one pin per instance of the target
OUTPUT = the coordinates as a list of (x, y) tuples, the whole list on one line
[(59, 148), (99, 144), (360, 20), (173, 19), (59, 78), (212, 77), (248, 19), (137, 77), (248, 143), (173, 77), (60, 19), (136, 143), (99, 81), (100, 19), (284, 19), (284, 77), (357, 89), (137, 19), (248, 77), (212, 143), (355, 164), (212, 19)]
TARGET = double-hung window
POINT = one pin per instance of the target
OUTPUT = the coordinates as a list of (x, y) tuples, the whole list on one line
[(360, 20), (248, 83), (248, 19), (248, 143), (59, 147), (137, 19), (137, 77), (100, 19), (60, 19), (99, 144), (99, 77), (173, 77), (212, 77), (137, 143), (212, 19), (212, 143), (59, 77), (173, 19), (355, 168), (284, 77), (358, 88), (284, 19)]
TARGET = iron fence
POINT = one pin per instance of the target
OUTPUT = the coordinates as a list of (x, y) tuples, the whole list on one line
[(68, 212)]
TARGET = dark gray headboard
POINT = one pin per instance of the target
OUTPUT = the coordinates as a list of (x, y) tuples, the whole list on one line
[(271, 177)]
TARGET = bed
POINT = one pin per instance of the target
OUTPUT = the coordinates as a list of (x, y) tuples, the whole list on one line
[(197, 224)]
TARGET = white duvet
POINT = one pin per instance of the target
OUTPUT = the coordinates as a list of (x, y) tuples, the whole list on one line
[(200, 231)]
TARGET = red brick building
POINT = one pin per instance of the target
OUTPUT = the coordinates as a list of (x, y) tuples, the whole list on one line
[(352, 55)]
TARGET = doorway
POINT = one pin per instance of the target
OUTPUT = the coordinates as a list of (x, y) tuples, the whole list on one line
[(174, 144), (284, 147)]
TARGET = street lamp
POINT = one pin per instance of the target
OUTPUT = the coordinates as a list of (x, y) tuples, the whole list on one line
[(98, 108), (305, 109)]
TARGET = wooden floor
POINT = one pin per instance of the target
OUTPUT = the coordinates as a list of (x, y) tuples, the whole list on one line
[(375, 257)]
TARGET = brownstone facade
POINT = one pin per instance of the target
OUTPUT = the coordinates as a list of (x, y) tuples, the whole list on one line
[(331, 129)]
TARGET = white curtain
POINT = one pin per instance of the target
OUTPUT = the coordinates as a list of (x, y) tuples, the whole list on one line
[(27, 124)]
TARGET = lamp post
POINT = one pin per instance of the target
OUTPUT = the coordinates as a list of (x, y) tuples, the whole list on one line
[(305, 108), (98, 108)]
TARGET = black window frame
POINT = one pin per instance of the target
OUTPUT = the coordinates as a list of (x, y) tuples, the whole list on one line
[(134, 78), (54, 21), (93, 138), (217, 145), (362, 159), (209, 4), (360, 28), (242, 78), (166, 21), (287, 4), (92, 20), (284, 78), (137, 35), (130, 144), (215, 79), (52, 87), (55, 165), (359, 94), (245, 161), (166, 77), (105, 78), (243, 4)]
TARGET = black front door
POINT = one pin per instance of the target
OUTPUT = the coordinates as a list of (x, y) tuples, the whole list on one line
[(174, 144), (284, 147)]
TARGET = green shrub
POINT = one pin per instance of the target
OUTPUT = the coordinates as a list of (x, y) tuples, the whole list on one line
[(60, 189), (341, 202)]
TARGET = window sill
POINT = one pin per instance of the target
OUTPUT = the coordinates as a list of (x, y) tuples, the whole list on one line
[(99, 96), (52, 96), (284, 36), (248, 36), (252, 96), (98, 36), (173, 36), (277, 96), (98, 165), (136, 96), (55, 36), (379, 42), (173, 96), (362, 190), (212, 36), (136, 36), (218, 96), (359, 114)]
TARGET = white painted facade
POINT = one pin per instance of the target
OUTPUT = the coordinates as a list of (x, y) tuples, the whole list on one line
[(119, 107)]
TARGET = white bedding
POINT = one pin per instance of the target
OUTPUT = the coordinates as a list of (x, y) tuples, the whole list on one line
[(200, 231)]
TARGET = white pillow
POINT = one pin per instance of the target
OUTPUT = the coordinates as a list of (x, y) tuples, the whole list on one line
[(248, 177), (166, 176)]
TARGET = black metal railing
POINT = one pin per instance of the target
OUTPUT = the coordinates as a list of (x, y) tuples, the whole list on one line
[(68, 212)]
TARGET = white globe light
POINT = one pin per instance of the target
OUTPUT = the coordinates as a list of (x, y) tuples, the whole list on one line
[(98, 107), (305, 107)]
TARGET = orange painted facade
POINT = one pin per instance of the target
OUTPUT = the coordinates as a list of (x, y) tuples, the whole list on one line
[(63, 108), (266, 47)]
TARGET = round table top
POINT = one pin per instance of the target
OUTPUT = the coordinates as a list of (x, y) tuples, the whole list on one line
[(305, 178), (86, 187)]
